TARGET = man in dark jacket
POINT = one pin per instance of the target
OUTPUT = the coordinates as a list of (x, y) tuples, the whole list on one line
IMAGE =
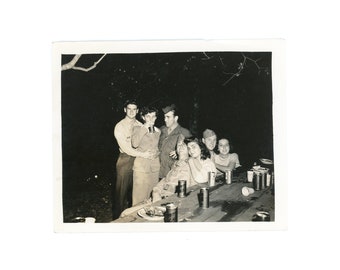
[(171, 133)]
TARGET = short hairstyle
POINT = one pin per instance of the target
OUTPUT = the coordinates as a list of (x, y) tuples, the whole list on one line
[(208, 133), (231, 147), (130, 101), (204, 150), (145, 110)]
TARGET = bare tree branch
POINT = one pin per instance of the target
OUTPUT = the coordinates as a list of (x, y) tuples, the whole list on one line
[(207, 57), (241, 66), (221, 61), (235, 74), (73, 62)]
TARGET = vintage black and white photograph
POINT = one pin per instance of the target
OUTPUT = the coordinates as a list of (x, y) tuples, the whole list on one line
[(164, 133)]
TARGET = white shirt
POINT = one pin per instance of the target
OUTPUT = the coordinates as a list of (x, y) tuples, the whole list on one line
[(202, 175), (123, 133), (233, 157)]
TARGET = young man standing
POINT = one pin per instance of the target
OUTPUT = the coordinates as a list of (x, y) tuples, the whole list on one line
[(171, 133), (122, 197)]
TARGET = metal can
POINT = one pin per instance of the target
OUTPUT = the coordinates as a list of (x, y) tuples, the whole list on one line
[(268, 180), (273, 184), (257, 180), (263, 179), (211, 179), (204, 198), (171, 213), (182, 188), (228, 177)]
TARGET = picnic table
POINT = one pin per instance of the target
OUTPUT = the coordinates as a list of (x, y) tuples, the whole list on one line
[(226, 204)]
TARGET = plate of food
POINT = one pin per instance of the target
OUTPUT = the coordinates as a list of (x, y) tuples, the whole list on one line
[(153, 213), (266, 161)]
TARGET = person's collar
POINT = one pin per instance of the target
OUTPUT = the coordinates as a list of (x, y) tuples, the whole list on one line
[(172, 128), (130, 120)]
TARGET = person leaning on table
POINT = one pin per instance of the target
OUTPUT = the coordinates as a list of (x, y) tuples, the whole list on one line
[(167, 186), (199, 162), (180, 171), (226, 159)]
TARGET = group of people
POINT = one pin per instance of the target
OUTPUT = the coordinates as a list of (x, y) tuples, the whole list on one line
[(152, 160)]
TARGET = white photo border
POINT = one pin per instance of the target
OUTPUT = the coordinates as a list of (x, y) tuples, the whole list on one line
[(276, 46)]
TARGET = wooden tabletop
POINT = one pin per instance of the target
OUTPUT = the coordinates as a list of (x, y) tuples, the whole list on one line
[(226, 203)]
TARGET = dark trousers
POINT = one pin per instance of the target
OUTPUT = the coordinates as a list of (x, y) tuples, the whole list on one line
[(124, 181)]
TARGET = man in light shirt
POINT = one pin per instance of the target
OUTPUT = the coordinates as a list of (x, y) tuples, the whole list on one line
[(122, 197)]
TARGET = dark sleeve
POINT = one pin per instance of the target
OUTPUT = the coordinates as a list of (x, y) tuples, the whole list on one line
[(161, 138), (186, 133)]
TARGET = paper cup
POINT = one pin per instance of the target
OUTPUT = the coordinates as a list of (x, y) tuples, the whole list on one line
[(90, 220), (246, 191), (250, 175)]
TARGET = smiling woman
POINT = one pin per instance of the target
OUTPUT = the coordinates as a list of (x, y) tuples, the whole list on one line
[(199, 162), (225, 160)]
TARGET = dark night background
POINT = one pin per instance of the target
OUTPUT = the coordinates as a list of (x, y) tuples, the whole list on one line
[(239, 109)]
